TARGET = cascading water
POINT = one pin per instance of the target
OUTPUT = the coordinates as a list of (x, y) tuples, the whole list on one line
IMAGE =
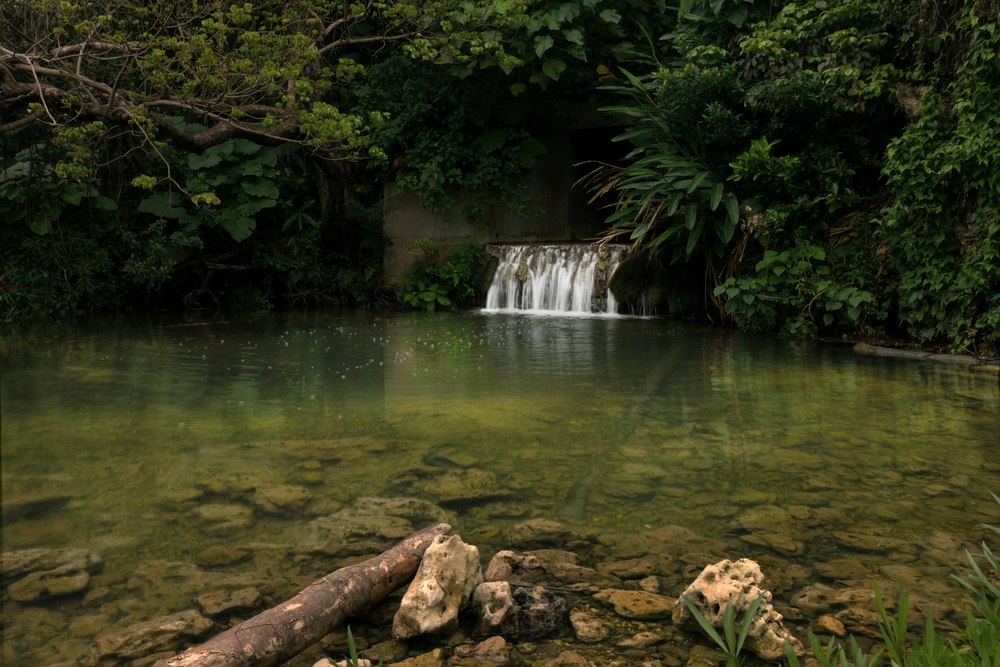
[(569, 279)]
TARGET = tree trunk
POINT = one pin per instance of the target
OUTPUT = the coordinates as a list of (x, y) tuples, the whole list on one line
[(276, 635)]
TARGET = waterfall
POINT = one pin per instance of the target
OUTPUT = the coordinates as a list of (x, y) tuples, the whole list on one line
[(554, 278)]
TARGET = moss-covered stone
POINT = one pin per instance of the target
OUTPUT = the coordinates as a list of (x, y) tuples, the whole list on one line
[(629, 279)]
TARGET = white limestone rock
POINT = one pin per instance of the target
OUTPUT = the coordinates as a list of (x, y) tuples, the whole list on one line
[(737, 583), (448, 574), (495, 608)]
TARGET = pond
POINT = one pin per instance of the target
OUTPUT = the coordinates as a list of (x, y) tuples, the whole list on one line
[(161, 440)]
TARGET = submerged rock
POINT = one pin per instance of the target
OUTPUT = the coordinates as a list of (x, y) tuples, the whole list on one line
[(36, 575), (492, 652), (413, 509), (539, 611), (354, 532), (545, 566), (448, 486), (737, 584), (587, 627), (28, 505), (14, 564), (281, 499), (449, 573), (496, 611), (41, 586), (636, 605), (539, 533), (164, 634), (224, 602), (223, 518)]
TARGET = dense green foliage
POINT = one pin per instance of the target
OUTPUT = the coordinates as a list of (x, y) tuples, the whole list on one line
[(832, 163), (448, 278), (830, 166)]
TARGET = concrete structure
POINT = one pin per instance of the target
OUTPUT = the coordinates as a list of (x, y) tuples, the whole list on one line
[(563, 214)]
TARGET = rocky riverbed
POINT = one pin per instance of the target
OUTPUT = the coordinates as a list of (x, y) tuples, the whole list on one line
[(68, 606)]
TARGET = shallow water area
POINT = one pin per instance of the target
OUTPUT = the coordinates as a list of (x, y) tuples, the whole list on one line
[(163, 439)]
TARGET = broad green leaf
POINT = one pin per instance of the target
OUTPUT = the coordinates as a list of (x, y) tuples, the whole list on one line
[(728, 229), (693, 238), (163, 205), (73, 194), (41, 226), (732, 209), (573, 36), (528, 150), (665, 235), (240, 227), (639, 231), (610, 16), (245, 147), (255, 206), (261, 187), (716, 196), (203, 161), (690, 215), (268, 157), (553, 68), (542, 44), (250, 168), (493, 139), (517, 88), (102, 203), (696, 181), (675, 203)]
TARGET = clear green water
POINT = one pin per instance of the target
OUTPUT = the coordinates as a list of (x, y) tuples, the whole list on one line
[(609, 425)]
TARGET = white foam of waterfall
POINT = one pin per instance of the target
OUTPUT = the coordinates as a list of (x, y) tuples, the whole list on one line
[(553, 279)]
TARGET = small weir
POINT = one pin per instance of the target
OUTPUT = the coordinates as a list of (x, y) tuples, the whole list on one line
[(564, 279)]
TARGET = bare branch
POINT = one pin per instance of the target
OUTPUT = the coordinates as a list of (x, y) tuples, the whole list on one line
[(20, 122)]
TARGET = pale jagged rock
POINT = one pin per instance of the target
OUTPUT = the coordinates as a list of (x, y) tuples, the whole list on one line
[(493, 652), (737, 584), (828, 625), (495, 608), (587, 627), (520, 611), (164, 634), (505, 563), (640, 640), (449, 572)]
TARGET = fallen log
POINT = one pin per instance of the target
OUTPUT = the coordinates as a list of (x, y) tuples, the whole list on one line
[(280, 633)]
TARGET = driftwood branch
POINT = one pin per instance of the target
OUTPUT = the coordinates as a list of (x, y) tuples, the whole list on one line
[(276, 635)]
